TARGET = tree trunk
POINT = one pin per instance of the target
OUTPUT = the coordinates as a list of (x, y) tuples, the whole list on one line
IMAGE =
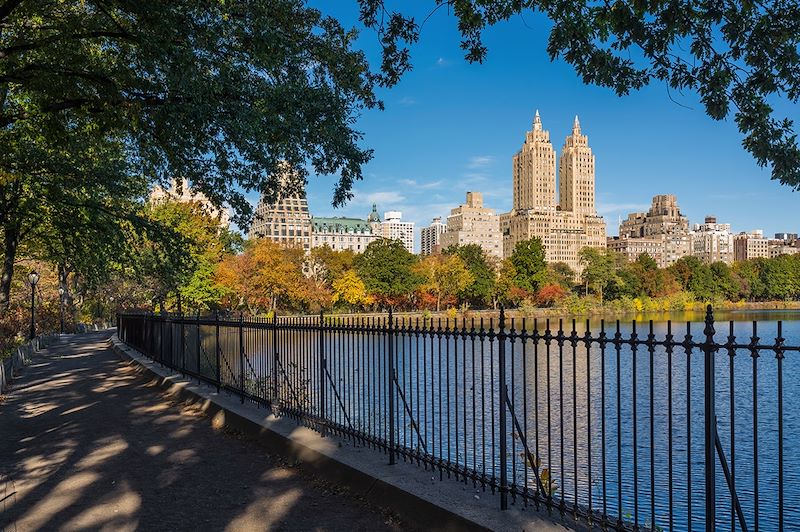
[(438, 301), (10, 242)]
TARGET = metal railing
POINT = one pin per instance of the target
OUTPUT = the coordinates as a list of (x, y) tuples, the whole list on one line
[(602, 427)]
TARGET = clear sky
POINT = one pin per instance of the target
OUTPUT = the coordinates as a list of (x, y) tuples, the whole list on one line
[(450, 127)]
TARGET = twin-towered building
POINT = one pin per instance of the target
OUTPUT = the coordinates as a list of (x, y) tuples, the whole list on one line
[(565, 222), (559, 211)]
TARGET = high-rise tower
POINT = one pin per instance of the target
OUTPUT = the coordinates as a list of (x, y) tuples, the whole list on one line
[(564, 225), (576, 174), (535, 171), (284, 218)]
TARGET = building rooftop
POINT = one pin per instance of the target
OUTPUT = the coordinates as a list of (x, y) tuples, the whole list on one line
[(340, 225)]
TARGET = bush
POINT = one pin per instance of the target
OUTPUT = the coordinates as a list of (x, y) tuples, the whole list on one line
[(550, 294)]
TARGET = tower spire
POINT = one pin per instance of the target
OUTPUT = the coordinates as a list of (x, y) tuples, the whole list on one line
[(537, 122), (576, 126)]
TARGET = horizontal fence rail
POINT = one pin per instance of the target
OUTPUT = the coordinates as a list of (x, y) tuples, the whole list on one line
[(650, 426)]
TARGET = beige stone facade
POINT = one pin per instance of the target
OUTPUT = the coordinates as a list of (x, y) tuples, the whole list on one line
[(564, 228), (285, 220), (712, 241), (472, 223), (662, 232), (183, 193), (341, 233), (780, 248), (429, 237), (663, 218), (393, 227), (751, 245), (631, 248)]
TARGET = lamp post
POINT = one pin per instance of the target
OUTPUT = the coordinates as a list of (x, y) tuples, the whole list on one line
[(33, 278), (61, 307)]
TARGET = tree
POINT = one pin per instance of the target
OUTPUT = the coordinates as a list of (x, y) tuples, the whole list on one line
[(559, 273), (263, 277), (444, 276), (386, 269), (350, 289), (179, 256), (324, 265), (598, 269), (219, 94), (782, 277), (69, 200), (724, 284), (481, 289), (736, 54), (550, 294), (695, 277), (529, 264), (749, 275), (504, 289)]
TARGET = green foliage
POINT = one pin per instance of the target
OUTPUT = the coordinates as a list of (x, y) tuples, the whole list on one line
[(386, 269), (180, 257), (529, 264), (482, 288), (100, 100), (736, 55), (599, 269), (559, 273)]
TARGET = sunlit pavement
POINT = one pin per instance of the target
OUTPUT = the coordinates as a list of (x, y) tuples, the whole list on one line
[(86, 443)]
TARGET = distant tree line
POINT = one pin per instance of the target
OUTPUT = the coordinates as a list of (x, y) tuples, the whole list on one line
[(210, 269), (192, 264)]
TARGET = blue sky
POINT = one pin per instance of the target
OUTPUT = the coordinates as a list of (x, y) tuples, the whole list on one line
[(450, 127)]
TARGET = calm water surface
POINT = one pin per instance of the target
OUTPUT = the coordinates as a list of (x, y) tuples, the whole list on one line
[(578, 409)]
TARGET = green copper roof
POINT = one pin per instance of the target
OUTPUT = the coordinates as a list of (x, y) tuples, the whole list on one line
[(340, 225), (373, 216)]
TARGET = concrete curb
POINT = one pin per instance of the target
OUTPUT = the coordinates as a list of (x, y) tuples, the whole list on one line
[(409, 491)]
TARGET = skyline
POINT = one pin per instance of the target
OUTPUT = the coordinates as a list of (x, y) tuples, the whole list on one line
[(451, 127), (480, 170)]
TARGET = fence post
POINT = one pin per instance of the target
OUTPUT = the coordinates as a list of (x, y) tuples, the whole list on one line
[(710, 420), (182, 342), (501, 350), (216, 334), (241, 355), (322, 370), (199, 346), (275, 358), (390, 387)]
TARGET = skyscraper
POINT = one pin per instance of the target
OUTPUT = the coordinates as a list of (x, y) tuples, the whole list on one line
[(429, 237), (576, 174), (285, 220), (565, 224)]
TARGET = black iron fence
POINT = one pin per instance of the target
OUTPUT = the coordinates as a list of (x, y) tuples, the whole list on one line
[(626, 428)]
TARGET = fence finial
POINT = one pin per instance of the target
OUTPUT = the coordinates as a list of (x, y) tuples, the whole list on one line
[(709, 330)]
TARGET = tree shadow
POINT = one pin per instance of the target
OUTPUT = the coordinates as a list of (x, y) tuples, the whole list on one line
[(86, 442)]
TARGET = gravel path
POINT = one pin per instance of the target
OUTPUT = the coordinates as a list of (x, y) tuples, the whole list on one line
[(85, 443)]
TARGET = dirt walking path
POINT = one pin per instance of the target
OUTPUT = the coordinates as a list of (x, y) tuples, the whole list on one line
[(86, 443)]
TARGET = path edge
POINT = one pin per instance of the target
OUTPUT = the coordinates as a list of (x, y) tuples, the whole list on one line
[(284, 437)]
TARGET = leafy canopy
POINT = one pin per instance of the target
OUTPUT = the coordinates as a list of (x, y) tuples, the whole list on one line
[(737, 55), (218, 93), (386, 269), (529, 264)]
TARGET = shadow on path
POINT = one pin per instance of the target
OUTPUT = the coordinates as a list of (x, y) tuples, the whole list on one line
[(86, 443)]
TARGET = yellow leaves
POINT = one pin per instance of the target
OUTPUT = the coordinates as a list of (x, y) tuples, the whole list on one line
[(350, 289)]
